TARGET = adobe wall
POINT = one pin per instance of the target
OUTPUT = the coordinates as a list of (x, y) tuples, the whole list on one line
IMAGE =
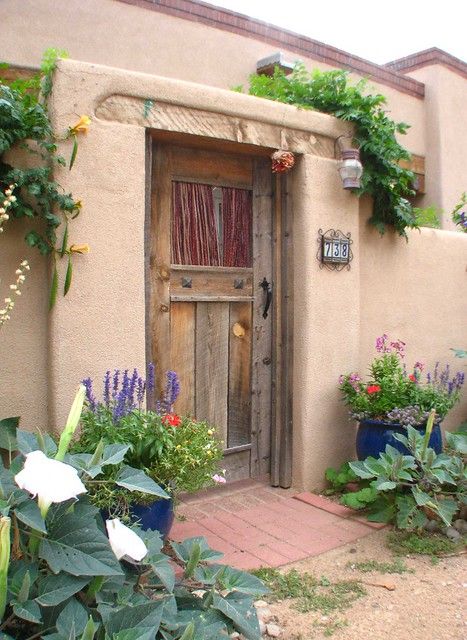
[(391, 287)]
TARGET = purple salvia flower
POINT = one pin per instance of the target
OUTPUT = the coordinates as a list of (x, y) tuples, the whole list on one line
[(428, 377), (150, 381), (107, 389), (116, 378), (90, 394), (132, 387), (173, 388), (435, 373), (141, 388)]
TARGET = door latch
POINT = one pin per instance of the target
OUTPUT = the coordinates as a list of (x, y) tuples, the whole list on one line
[(267, 288)]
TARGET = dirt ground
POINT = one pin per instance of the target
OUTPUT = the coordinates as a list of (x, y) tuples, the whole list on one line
[(429, 604)]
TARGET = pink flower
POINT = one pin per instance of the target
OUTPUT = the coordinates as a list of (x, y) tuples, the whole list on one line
[(219, 479)]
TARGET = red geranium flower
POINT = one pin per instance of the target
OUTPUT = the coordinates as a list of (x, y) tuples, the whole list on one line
[(412, 377), (373, 388), (172, 420)]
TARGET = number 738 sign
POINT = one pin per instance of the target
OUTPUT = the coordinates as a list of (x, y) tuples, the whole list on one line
[(334, 249)]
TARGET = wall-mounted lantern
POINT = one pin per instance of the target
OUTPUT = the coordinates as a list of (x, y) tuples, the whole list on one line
[(350, 168)]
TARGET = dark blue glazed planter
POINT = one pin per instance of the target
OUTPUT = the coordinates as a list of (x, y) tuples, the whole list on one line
[(158, 516), (374, 435)]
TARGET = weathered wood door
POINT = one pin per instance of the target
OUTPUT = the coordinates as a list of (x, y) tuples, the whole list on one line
[(210, 260)]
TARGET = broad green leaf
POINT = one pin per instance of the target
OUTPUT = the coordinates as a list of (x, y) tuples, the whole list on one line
[(28, 442), (384, 484), (72, 620), (29, 513), (114, 453), (29, 611), (242, 613), (161, 566), (457, 441), (137, 480), (183, 549), (443, 476), (18, 571), (144, 617), (361, 470), (8, 427), (189, 632), (421, 498), (23, 593), (406, 508), (134, 634), (89, 630), (193, 560), (7, 482), (446, 509), (241, 581), (77, 546), (56, 589)]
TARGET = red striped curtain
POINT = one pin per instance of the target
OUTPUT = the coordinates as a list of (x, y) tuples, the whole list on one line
[(236, 227), (195, 226)]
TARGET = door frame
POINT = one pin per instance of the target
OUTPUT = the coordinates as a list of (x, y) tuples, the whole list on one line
[(282, 309)]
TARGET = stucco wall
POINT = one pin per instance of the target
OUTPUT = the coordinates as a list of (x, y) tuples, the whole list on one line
[(392, 286), (152, 42), (446, 137)]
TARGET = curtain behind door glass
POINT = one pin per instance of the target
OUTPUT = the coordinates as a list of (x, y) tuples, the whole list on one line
[(196, 225)]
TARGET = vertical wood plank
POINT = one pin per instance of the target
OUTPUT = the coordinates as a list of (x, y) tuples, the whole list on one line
[(212, 362), (287, 278), (276, 383), (239, 405), (261, 339), (159, 265), (182, 353)]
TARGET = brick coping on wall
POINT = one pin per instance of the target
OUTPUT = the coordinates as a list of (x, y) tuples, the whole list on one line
[(426, 58), (220, 18)]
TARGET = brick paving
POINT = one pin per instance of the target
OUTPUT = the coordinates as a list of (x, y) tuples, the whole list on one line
[(256, 525)]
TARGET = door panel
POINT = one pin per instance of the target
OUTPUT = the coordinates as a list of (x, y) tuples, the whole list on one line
[(206, 321)]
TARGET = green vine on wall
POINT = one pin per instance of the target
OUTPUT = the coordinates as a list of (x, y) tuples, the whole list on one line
[(25, 128), (331, 92)]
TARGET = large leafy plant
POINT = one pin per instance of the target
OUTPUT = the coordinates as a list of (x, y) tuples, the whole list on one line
[(63, 578), (26, 135), (375, 134), (410, 489)]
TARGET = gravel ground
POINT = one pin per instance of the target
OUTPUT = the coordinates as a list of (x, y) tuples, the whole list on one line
[(429, 604)]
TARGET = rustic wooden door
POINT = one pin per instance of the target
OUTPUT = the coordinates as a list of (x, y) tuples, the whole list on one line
[(210, 283)]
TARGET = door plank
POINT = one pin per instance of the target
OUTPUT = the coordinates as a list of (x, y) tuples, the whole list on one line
[(212, 168), (159, 260), (261, 339), (182, 352), (211, 281), (239, 418), (212, 362)]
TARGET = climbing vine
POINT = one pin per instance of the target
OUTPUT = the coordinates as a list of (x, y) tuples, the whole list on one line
[(28, 156), (332, 92)]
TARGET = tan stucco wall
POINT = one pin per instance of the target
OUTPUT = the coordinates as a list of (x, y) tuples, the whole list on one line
[(152, 42), (446, 137)]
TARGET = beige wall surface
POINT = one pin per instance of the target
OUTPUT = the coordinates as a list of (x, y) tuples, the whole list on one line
[(446, 137), (152, 42)]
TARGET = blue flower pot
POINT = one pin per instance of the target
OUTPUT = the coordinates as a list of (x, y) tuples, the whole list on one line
[(374, 435), (158, 516)]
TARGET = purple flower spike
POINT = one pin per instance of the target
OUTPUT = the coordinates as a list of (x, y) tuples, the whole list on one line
[(90, 394), (115, 383), (107, 389), (150, 381)]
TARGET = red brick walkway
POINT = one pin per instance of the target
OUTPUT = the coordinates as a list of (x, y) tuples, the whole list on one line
[(256, 525)]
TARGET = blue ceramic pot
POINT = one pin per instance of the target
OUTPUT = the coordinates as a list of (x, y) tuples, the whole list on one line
[(158, 516), (374, 435)]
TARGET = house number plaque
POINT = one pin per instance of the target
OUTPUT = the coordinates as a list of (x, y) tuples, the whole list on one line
[(334, 250)]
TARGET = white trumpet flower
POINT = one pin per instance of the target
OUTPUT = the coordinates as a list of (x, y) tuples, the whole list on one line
[(124, 541), (50, 480)]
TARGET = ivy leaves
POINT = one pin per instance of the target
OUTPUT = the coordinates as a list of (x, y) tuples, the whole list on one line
[(375, 133)]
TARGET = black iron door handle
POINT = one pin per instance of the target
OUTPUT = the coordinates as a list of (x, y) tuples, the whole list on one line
[(267, 288)]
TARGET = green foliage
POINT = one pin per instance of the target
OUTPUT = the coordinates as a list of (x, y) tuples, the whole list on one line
[(375, 134), (180, 458), (310, 594), (64, 581), (339, 478), (460, 217), (25, 126), (393, 395), (410, 489), (404, 542), (368, 566), (428, 217)]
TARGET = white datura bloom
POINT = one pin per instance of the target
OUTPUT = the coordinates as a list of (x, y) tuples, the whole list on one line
[(124, 541), (50, 480)]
